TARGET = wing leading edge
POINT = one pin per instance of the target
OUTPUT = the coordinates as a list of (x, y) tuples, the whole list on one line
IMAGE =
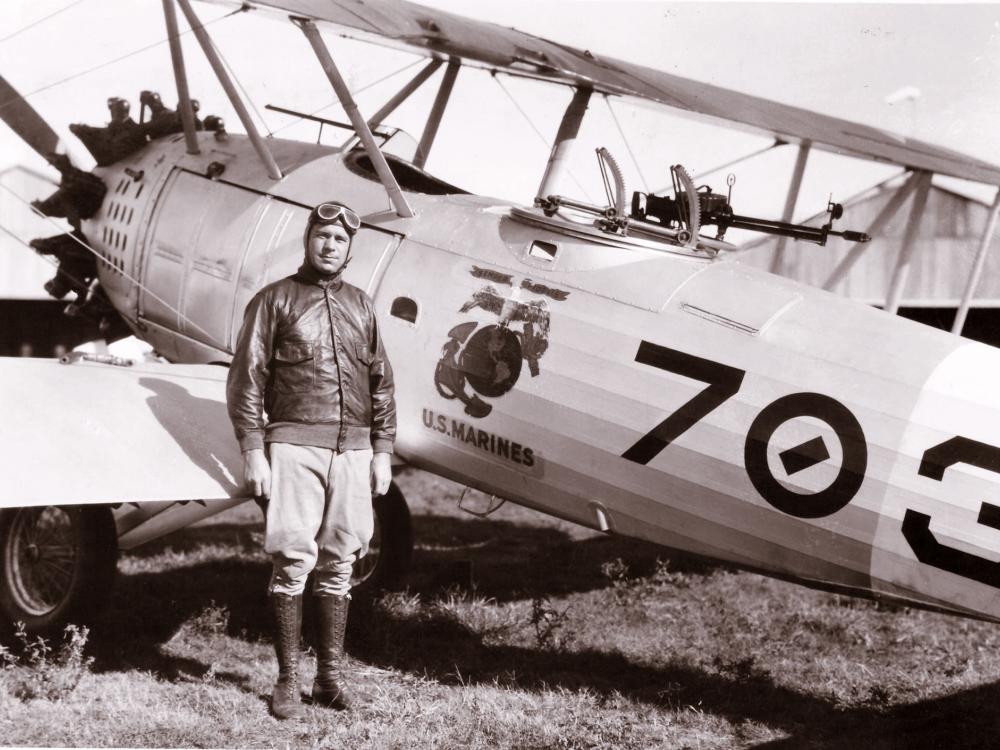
[(442, 34)]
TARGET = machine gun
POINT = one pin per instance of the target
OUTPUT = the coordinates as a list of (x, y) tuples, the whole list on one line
[(701, 207)]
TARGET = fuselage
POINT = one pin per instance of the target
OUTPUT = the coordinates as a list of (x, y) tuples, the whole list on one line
[(627, 386)]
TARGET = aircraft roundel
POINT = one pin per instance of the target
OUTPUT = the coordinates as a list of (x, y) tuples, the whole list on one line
[(799, 440)]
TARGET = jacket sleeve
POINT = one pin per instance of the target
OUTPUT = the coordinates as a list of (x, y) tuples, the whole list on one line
[(248, 373), (382, 391)]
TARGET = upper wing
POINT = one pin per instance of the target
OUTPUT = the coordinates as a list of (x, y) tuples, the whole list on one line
[(92, 433), (443, 34)]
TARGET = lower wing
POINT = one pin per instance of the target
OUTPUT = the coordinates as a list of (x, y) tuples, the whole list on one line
[(88, 432)]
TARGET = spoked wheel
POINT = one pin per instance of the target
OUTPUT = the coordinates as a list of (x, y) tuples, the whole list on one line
[(58, 566), (388, 559)]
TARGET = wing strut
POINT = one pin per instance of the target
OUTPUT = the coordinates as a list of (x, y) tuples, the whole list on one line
[(273, 171), (884, 216), (437, 112), (180, 77), (977, 267), (569, 128), (790, 200), (902, 269), (360, 126), (398, 98)]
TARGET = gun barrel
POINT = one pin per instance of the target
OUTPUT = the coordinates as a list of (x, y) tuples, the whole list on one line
[(796, 231), (780, 228)]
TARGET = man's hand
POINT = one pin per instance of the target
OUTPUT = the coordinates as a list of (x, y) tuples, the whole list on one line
[(381, 475), (257, 473)]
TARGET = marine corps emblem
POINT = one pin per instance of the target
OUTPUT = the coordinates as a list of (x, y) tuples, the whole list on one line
[(487, 359)]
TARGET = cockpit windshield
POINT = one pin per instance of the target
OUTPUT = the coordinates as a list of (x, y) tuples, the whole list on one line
[(410, 178)]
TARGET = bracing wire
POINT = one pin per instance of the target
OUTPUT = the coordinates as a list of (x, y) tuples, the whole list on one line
[(538, 133), (386, 77), (777, 142), (524, 114), (134, 52), (246, 94), (355, 93), (51, 261), (40, 20), (621, 132), (737, 160), (138, 284)]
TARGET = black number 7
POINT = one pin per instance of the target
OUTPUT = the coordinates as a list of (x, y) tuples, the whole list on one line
[(723, 381)]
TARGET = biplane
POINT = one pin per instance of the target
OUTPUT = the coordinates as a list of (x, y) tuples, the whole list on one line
[(605, 363)]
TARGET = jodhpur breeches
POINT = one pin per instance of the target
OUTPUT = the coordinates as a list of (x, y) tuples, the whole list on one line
[(319, 517)]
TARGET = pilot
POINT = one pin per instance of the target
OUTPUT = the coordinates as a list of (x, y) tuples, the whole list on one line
[(310, 354)]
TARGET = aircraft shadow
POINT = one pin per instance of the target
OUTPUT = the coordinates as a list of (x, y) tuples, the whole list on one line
[(969, 719), (504, 561), (966, 720), (499, 559), (148, 609), (173, 407), (509, 561)]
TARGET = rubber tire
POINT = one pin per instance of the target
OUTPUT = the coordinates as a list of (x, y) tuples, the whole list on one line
[(395, 531), (94, 536)]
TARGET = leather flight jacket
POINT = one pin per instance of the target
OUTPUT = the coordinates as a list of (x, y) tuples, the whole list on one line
[(310, 355)]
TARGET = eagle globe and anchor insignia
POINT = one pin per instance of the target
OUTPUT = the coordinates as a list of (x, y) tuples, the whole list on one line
[(486, 360)]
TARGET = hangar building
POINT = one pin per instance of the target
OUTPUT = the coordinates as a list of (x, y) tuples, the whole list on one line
[(948, 237)]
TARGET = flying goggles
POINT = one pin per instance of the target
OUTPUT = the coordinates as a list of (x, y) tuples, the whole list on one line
[(328, 213)]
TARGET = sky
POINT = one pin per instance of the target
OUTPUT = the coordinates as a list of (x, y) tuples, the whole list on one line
[(839, 59)]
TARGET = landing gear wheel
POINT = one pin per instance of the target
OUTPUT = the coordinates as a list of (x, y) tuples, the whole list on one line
[(57, 566), (388, 559)]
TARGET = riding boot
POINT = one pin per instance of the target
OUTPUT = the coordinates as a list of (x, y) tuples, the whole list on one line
[(331, 615), (286, 701)]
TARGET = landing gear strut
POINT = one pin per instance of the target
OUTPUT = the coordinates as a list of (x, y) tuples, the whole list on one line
[(388, 558)]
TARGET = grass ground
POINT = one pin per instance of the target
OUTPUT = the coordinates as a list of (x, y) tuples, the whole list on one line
[(518, 631)]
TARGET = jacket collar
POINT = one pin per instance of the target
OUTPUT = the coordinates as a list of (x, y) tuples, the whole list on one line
[(310, 275)]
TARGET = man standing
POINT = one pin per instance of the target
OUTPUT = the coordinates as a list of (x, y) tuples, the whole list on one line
[(310, 355)]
